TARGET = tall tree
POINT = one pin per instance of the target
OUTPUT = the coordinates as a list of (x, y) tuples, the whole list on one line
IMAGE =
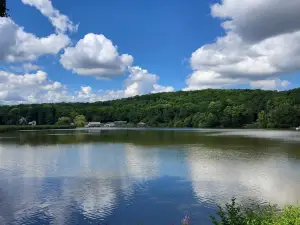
[(3, 9)]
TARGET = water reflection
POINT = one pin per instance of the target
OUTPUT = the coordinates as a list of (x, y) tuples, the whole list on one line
[(50, 179), (80, 178), (141, 164), (217, 177)]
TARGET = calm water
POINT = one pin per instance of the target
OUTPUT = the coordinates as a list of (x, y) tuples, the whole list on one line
[(142, 176)]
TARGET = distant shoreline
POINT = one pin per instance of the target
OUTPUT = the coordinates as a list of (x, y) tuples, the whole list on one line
[(8, 128)]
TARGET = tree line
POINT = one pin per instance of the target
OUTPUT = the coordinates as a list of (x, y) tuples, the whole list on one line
[(205, 108)]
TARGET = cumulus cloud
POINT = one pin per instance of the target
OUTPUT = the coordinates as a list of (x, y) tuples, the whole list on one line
[(95, 55), (18, 45), (139, 82), (275, 84), (159, 88), (61, 22), (30, 67), (30, 88), (209, 79), (255, 48), (38, 88), (256, 20)]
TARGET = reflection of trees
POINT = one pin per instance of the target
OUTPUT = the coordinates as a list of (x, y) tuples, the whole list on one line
[(218, 176), (54, 172), (210, 138)]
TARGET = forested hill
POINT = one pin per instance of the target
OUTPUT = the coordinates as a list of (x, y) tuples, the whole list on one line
[(205, 108)]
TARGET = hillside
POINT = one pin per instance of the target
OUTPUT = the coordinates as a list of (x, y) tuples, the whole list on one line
[(204, 108)]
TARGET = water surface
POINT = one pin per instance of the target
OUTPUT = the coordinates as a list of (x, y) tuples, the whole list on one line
[(142, 176)]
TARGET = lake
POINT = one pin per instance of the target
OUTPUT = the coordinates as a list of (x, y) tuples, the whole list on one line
[(142, 176)]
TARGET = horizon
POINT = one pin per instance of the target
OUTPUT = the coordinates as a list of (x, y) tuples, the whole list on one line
[(96, 51), (138, 96)]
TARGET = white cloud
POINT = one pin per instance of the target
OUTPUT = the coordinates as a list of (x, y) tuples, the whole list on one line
[(158, 88), (30, 88), (141, 82), (208, 79), (95, 55), (61, 22), (53, 86), (275, 84), (30, 67), (18, 45), (256, 20), (253, 53), (38, 88), (86, 94)]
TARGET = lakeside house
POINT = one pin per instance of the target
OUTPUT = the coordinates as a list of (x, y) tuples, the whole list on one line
[(110, 124), (94, 124), (32, 123), (120, 122), (141, 124)]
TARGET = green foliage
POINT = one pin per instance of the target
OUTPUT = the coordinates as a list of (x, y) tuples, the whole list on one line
[(13, 116), (290, 216), (63, 121), (205, 108), (3, 9), (232, 214), (79, 120), (236, 214)]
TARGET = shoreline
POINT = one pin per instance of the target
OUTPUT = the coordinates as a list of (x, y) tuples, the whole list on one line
[(9, 128)]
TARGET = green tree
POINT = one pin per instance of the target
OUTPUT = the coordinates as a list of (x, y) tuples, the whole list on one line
[(3, 9), (204, 108), (79, 120), (282, 116), (64, 121), (73, 114), (262, 119), (14, 115)]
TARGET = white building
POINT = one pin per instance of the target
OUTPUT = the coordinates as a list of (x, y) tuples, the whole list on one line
[(120, 122), (141, 124), (109, 124), (93, 124)]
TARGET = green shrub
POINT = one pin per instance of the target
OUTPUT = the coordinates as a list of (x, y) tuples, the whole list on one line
[(63, 121), (236, 214), (79, 120), (290, 216)]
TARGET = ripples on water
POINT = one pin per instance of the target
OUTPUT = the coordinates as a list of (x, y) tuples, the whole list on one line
[(129, 177)]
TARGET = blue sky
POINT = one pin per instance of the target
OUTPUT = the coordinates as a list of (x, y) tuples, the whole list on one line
[(103, 50)]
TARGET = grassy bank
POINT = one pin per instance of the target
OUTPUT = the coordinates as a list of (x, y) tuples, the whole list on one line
[(8, 128), (237, 214), (253, 214)]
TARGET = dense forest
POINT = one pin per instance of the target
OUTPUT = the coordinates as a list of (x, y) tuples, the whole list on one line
[(204, 108)]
